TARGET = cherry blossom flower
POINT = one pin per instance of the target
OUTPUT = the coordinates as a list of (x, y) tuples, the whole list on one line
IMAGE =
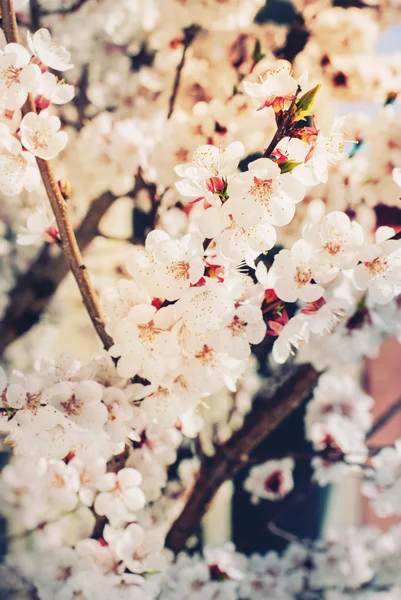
[(39, 228), (291, 337), (18, 168), (277, 87), (40, 135), (170, 266), (270, 481), (80, 403), (88, 473), (335, 242), (261, 193), (17, 76), (383, 485), (139, 549), (325, 151), (120, 495), (236, 242), (144, 342), (53, 90), (49, 52), (324, 317), (294, 273), (380, 270), (247, 327), (339, 395), (208, 171)]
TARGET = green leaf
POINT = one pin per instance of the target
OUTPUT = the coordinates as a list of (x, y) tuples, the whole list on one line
[(305, 104), (288, 165), (257, 53)]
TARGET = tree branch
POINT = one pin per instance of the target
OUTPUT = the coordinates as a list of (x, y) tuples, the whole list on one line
[(33, 290), (190, 34), (65, 10), (383, 419), (273, 404), (59, 206)]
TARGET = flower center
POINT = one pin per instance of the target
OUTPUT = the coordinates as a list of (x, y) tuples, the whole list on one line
[(32, 402), (262, 190), (10, 75), (179, 269), (333, 245), (58, 481), (207, 356), (148, 332), (237, 327), (72, 406), (40, 140), (273, 482), (379, 266), (302, 275)]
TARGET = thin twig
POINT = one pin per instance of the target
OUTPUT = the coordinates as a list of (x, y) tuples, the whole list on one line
[(189, 35), (282, 129), (59, 206), (64, 10), (383, 419)]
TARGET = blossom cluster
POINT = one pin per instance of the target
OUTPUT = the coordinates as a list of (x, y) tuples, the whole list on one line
[(352, 564), (243, 237)]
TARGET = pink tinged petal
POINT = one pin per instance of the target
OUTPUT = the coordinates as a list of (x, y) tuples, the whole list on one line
[(65, 93), (14, 97), (281, 211), (142, 313), (381, 291), (280, 351), (384, 233), (196, 270), (397, 176), (310, 292), (102, 504), (29, 77), (134, 498), (166, 252), (361, 277), (20, 56), (320, 167), (107, 482), (16, 395), (129, 478), (301, 251), (89, 391), (292, 188), (269, 169), (213, 221), (189, 189), (285, 290)]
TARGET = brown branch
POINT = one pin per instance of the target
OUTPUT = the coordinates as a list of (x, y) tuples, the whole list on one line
[(383, 419), (64, 10), (58, 203), (283, 128), (273, 404), (190, 34), (33, 290)]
